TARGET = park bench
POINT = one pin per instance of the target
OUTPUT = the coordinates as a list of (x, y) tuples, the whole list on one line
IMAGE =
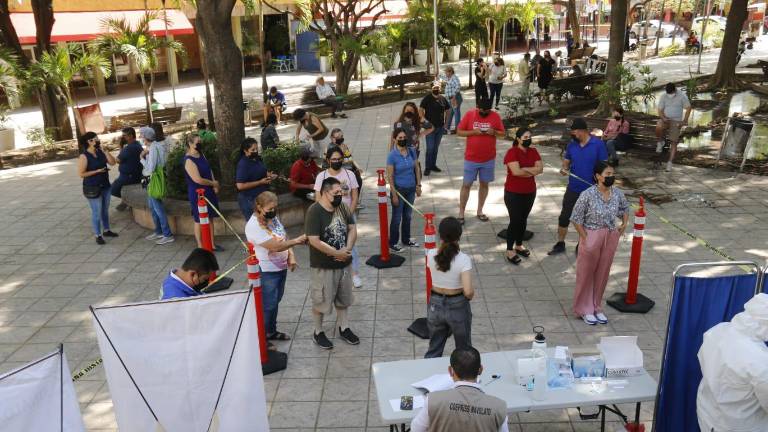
[(137, 118), (402, 80), (642, 129), (576, 86)]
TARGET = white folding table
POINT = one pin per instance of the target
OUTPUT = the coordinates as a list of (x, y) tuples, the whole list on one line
[(394, 379)]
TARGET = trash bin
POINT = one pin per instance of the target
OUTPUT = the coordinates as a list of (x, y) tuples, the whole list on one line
[(737, 137)]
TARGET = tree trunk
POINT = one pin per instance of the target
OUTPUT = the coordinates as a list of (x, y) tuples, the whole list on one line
[(573, 20), (725, 74), (147, 103), (214, 24), (207, 83), (615, 51)]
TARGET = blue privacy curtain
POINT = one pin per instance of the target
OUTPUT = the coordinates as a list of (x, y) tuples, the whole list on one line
[(699, 304)]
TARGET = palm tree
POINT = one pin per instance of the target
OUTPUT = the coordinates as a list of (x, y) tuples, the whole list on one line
[(528, 11), (499, 15), (473, 18), (62, 65), (9, 72), (139, 46)]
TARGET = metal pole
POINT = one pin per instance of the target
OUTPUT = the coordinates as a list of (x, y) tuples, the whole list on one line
[(434, 47), (703, 32), (661, 26), (168, 55)]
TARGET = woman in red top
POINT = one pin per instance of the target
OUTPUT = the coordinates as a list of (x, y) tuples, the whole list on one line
[(523, 164)]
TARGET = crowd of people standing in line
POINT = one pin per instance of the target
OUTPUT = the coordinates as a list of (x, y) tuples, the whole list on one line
[(591, 203)]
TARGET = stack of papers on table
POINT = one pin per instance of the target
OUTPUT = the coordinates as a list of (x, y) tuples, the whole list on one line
[(435, 383)]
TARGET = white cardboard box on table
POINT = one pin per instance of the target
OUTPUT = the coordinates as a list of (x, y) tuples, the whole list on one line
[(622, 356)]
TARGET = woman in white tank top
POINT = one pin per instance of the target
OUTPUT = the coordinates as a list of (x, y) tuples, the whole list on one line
[(449, 311)]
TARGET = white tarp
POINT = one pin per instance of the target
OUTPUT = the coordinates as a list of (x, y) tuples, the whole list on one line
[(40, 397), (170, 358)]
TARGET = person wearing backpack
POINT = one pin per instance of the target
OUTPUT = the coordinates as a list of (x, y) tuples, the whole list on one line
[(153, 160)]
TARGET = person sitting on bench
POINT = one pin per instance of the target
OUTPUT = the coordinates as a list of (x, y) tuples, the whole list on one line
[(693, 42), (192, 277), (328, 97)]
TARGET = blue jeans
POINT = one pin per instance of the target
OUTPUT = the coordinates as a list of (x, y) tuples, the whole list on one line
[(272, 289), (401, 217), (433, 143), (455, 112), (159, 217), (355, 260), (122, 180), (100, 212), (610, 145)]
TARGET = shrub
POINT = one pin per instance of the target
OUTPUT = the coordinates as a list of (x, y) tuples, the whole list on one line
[(279, 160), (670, 50), (174, 166), (43, 138)]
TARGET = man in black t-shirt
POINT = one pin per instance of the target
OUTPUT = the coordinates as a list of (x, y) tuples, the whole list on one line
[(436, 109), (129, 159), (330, 228)]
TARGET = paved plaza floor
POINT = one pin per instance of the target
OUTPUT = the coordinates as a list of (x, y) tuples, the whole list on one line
[(51, 270)]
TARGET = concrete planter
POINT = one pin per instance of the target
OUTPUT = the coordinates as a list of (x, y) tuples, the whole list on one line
[(453, 52), (7, 140), (291, 211), (420, 57), (325, 64)]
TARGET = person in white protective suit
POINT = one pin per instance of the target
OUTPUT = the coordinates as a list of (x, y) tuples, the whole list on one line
[(733, 394)]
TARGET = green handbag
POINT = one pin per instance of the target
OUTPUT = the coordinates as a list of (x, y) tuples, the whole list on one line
[(157, 188)]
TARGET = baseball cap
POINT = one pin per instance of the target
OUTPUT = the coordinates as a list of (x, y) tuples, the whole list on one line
[(579, 124), (147, 133)]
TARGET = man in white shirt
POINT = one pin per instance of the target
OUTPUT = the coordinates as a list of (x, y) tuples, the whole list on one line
[(328, 97), (674, 110), (465, 407)]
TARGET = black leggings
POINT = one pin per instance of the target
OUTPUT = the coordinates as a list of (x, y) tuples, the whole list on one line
[(519, 207)]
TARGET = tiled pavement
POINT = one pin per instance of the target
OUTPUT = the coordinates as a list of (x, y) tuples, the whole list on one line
[(51, 270)]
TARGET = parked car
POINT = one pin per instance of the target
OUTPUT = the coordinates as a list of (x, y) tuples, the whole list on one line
[(653, 29), (714, 21)]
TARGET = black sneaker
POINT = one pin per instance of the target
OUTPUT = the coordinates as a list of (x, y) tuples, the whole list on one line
[(558, 248), (349, 337), (427, 172), (395, 248), (110, 234), (436, 169), (322, 341), (100, 240), (342, 115), (411, 243)]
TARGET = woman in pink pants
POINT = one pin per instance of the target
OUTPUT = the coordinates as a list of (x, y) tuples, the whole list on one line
[(595, 217)]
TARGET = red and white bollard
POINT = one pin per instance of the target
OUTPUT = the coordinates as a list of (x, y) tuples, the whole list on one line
[(632, 301), (419, 325), (254, 282), (271, 361), (205, 221), (384, 259)]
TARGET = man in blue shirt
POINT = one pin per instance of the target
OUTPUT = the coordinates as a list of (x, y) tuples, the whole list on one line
[(275, 104), (581, 155), (192, 277), (129, 159)]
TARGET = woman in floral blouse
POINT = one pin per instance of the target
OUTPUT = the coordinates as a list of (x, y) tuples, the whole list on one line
[(594, 217)]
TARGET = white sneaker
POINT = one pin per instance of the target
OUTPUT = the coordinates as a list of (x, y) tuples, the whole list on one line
[(669, 166), (165, 240), (356, 281), (601, 318), (589, 319), (659, 146), (153, 236)]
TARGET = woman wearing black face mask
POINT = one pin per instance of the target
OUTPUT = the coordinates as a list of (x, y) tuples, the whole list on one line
[(594, 217), (275, 253), (349, 188), (523, 165), (403, 176), (92, 168), (337, 138), (199, 175), (251, 176)]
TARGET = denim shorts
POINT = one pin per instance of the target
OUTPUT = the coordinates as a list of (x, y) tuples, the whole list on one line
[(484, 170)]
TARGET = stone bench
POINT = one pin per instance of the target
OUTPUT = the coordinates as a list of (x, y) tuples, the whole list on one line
[(291, 210)]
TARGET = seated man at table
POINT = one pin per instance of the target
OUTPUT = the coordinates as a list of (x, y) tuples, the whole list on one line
[(465, 407), (192, 277)]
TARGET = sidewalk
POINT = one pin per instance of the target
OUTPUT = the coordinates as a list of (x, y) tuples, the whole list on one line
[(191, 94)]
